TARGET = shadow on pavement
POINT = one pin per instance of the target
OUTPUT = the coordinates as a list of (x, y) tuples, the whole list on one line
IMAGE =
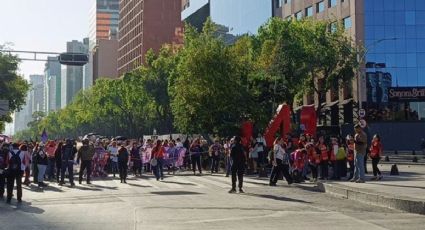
[(314, 188), (180, 183), (35, 188), (26, 207), (139, 185), (279, 198), (176, 193)]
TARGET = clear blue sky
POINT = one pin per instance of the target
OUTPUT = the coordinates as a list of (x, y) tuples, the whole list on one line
[(42, 25)]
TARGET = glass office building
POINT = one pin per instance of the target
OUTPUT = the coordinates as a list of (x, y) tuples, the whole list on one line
[(237, 16), (394, 33)]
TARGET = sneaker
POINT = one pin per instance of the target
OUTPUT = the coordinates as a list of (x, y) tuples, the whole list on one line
[(19, 200), (88, 182), (272, 184), (360, 181), (353, 180), (241, 190), (72, 185), (232, 190)]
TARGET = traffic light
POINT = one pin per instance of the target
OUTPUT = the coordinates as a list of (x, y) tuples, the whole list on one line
[(75, 59)]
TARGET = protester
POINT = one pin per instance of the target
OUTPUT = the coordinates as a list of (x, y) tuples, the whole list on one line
[(27, 151), (280, 162), (85, 154), (341, 162), (313, 161), (122, 158), (136, 159), (375, 155), (50, 151), (58, 160), (360, 145), (324, 158), (298, 158), (350, 155), (239, 160), (228, 161), (34, 163), (42, 162), (195, 155), (113, 151), (158, 152), (215, 152), (4, 151), (15, 169), (67, 162)]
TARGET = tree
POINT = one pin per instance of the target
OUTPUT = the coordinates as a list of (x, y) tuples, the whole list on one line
[(208, 95), (13, 87)]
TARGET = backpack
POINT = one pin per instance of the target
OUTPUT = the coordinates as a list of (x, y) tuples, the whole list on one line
[(15, 161)]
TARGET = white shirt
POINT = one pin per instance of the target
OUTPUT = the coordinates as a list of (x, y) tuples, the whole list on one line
[(179, 145), (114, 153), (278, 151), (21, 155), (260, 147)]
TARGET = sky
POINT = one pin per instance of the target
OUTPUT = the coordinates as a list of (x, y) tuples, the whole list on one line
[(42, 25)]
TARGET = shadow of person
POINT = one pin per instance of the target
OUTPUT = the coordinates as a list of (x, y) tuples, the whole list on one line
[(28, 208)]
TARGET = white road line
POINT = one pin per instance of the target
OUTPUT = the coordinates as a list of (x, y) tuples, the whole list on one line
[(206, 180), (228, 180)]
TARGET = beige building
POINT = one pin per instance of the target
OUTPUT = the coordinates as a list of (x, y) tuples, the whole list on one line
[(105, 62), (350, 14)]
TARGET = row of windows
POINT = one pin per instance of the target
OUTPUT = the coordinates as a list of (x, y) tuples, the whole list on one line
[(320, 5), (346, 22), (400, 32), (393, 5), (395, 18), (399, 60)]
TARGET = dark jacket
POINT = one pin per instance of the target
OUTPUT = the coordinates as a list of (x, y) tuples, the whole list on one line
[(41, 157), (68, 153), (122, 155), (238, 155), (85, 153)]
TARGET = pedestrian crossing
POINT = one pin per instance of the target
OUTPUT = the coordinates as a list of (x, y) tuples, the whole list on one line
[(179, 182)]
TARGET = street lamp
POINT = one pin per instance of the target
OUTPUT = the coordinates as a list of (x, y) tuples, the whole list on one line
[(361, 59)]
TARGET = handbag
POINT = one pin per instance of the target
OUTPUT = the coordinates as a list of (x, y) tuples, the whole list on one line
[(154, 162)]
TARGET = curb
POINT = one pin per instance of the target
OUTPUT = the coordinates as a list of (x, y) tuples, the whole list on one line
[(387, 201)]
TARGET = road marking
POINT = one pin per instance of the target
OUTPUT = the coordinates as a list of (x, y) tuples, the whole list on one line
[(209, 181)]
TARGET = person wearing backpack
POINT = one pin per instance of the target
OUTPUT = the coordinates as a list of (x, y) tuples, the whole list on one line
[(68, 156), (15, 169)]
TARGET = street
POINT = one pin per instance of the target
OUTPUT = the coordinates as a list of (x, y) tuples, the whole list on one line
[(184, 201)]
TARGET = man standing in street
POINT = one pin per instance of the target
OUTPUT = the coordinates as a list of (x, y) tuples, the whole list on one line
[(68, 156), (360, 146), (15, 170), (4, 151), (85, 154), (238, 156), (123, 158)]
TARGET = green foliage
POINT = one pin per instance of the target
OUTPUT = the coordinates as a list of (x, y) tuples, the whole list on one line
[(208, 87), (13, 87), (208, 95)]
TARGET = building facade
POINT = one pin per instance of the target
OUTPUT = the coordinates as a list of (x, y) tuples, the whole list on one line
[(393, 35), (144, 25), (52, 76), (105, 63), (37, 93), (76, 76), (248, 17), (104, 17)]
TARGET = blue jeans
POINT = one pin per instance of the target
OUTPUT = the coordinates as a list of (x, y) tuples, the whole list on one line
[(359, 166), (114, 167), (41, 172), (50, 170), (158, 169), (228, 165)]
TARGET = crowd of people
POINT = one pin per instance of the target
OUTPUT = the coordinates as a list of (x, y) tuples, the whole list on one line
[(296, 160)]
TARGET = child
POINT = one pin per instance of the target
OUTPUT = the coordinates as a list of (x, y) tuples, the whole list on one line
[(375, 155)]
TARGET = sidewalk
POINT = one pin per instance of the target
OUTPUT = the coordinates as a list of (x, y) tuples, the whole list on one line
[(404, 192)]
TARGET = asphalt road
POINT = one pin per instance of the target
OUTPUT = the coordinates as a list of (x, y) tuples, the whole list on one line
[(194, 202)]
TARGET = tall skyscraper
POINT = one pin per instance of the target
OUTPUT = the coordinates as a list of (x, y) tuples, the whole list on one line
[(144, 25), (238, 16), (52, 76), (37, 93), (104, 17), (103, 48), (74, 78)]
